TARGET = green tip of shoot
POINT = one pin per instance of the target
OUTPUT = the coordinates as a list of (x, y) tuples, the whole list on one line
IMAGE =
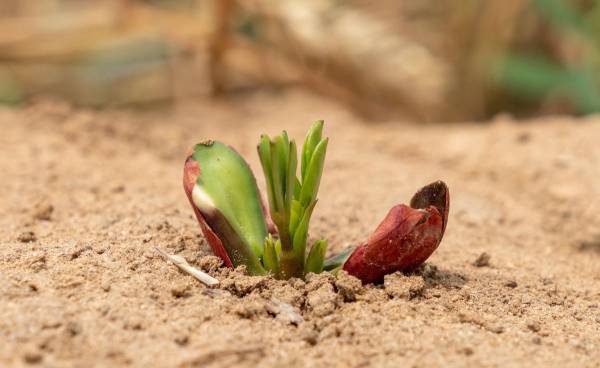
[(313, 137)]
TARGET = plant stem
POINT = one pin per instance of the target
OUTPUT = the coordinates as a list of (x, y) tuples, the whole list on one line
[(290, 266)]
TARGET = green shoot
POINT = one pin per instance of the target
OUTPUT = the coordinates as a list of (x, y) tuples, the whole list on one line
[(292, 200)]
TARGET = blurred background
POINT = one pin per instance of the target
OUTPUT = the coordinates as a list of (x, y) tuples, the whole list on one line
[(422, 60)]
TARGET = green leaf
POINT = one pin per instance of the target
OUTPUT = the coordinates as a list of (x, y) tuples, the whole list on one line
[(236, 247), (338, 260), (291, 175), (562, 14), (285, 145), (278, 173), (313, 137), (534, 77), (531, 76), (316, 257), (278, 247), (283, 149), (584, 93), (295, 216), (227, 196), (270, 258), (301, 234), (264, 153), (310, 185), (297, 187)]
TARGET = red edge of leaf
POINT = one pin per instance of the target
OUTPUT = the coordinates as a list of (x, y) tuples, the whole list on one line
[(406, 237), (191, 170)]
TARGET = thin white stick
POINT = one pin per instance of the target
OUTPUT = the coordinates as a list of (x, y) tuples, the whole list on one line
[(185, 267)]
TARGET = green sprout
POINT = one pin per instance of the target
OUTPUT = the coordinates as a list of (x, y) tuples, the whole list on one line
[(292, 201), (224, 194)]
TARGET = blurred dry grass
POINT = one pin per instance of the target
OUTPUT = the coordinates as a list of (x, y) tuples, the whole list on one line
[(417, 59)]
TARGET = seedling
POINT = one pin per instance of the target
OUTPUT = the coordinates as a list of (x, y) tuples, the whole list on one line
[(292, 200), (225, 198)]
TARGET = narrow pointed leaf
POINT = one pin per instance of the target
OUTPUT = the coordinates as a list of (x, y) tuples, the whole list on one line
[(278, 248), (338, 260), (295, 216), (301, 233), (313, 137), (285, 145), (297, 187), (316, 257), (283, 149), (270, 258), (291, 175), (278, 172), (310, 185), (264, 153)]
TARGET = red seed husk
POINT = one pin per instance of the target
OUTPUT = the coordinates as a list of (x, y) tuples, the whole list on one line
[(435, 194), (405, 238)]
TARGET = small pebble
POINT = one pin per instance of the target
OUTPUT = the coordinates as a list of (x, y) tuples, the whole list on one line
[(43, 212), (134, 323), (106, 285), (73, 328), (496, 329), (533, 326), (79, 251), (181, 290), (182, 340), (118, 189), (32, 357), (467, 351), (523, 137), (27, 237), (284, 312), (309, 334), (483, 260)]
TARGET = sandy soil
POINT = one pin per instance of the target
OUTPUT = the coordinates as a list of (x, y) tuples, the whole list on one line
[(87, 196)]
